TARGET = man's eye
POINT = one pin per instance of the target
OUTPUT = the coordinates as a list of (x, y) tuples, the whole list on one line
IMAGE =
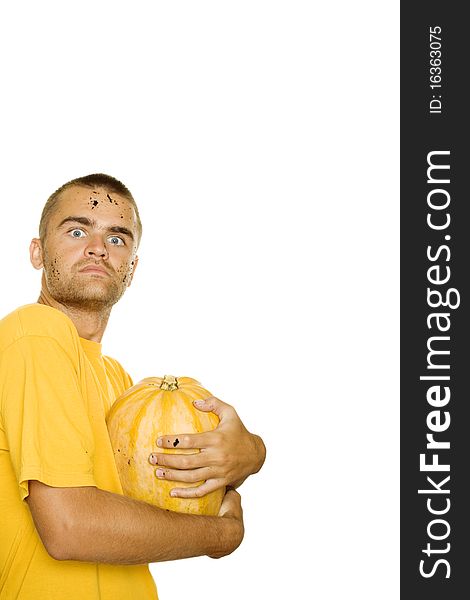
[(77, 233), (116, 241)]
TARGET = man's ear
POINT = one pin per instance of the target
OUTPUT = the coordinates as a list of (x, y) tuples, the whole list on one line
[(134, 266), (35, 253)]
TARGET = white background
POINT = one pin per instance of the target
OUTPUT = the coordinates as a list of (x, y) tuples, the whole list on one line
[(260, 140)]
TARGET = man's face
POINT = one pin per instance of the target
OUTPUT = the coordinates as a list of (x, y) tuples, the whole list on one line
[(89, 254)]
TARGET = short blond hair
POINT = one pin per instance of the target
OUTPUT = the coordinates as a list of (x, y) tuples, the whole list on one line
[(111, 184)]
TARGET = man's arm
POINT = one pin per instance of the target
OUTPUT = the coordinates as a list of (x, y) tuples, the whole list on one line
[(229, 454), (93, 525)]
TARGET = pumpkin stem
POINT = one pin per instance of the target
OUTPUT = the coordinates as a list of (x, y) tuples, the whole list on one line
[(169, 383)]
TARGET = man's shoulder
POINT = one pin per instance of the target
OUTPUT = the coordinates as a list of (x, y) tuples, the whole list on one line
[(117, 373), (35, 320)]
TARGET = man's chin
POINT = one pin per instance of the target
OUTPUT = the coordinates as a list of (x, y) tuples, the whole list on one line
[(90, 299)]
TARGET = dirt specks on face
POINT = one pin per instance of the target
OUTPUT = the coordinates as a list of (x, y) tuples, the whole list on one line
[(55, 273)]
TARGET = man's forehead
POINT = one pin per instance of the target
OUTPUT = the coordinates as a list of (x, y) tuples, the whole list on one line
[(97, 200), (94, 196)]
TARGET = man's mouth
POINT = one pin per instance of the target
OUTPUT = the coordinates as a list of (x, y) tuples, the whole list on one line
[(94, 269)]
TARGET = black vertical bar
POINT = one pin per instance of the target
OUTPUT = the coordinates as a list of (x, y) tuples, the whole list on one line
[(434, 259)]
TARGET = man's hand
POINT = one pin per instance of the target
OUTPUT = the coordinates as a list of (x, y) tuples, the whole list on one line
[(232, 509), (228, 454)]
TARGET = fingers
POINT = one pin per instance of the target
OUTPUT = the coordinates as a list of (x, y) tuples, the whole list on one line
[(179, 461), (185, 440), (198, 491), (231, 504), (192, 476), (200, 440), (215, 405)]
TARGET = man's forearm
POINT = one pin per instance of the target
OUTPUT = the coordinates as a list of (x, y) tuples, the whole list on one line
[(99, 526), (259, 452)]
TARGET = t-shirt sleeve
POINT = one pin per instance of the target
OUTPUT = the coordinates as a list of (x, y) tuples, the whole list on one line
[(127, 379), (44, 415), (119, 377)]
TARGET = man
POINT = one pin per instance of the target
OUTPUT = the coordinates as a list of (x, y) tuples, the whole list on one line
[(66, 529)]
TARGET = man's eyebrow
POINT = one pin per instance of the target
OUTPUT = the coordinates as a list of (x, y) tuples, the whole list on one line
[(123, 230), (92, 223), (82, 220)]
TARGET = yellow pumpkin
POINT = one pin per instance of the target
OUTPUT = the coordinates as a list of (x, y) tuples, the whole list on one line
[(153, 407)]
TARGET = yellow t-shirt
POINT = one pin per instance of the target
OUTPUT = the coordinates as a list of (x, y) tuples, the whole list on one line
[(55, 391)]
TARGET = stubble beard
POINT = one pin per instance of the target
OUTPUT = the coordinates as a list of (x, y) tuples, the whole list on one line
[(84, 292)]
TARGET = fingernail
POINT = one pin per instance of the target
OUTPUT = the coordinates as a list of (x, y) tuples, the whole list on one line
[(199, 402), (160, 442), (159, 473), (173, 494), (153, 459)]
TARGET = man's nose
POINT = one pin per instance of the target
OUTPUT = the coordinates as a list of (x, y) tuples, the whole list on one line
[(97, 247)]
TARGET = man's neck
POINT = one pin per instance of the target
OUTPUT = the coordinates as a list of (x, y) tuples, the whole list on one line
[(90, 324)]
